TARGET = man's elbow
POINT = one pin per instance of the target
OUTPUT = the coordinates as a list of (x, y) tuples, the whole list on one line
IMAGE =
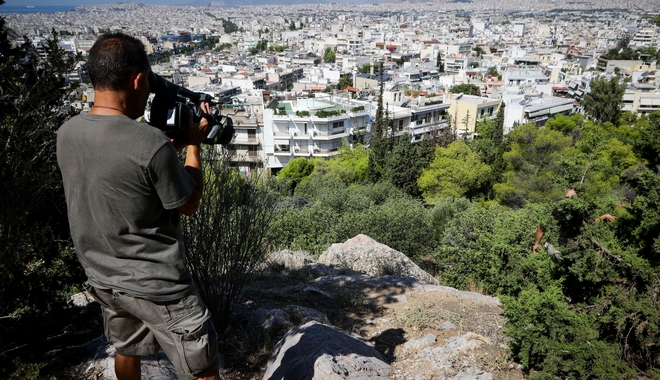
[(190, 207)]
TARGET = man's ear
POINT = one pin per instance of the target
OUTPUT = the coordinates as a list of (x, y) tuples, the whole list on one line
[(136, 81)]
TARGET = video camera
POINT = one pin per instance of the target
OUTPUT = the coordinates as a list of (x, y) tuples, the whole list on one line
[(172, 106)]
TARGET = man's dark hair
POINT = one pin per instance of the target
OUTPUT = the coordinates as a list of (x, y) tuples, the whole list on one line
[(114, 58)]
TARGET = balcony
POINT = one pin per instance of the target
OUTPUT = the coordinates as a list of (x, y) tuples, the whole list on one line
[(326, 135), (244, 141), (321, 151)]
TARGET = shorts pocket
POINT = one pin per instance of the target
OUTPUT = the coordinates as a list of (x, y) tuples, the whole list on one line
[(197, 346)]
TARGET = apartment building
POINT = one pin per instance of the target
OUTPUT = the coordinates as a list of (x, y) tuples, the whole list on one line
[(311, 127), (466, 110)]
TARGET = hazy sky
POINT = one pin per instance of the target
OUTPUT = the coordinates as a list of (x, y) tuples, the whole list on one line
[(18, 3)]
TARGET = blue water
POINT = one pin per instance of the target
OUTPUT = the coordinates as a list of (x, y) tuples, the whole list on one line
[(4, 9)]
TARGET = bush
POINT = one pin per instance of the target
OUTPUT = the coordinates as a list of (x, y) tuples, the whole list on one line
[(226, 239), (37, 265)]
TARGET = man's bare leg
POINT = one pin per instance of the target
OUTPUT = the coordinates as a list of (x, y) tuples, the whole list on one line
[(127, 367), (213, 374)]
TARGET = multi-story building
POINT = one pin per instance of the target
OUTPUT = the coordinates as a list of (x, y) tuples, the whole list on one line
[(466, 110), (311, 127)]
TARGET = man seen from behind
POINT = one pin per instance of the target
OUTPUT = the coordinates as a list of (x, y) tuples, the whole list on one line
[(125, 190)]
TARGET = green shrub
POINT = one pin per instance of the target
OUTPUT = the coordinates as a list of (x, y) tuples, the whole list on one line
[(553, 340), (226, 239)]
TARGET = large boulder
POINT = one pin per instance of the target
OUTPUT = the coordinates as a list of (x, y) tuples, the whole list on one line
[(363, 254), (316, 351)]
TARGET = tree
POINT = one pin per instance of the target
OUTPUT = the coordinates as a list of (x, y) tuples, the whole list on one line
[(456, 171), (492, 71), (604, 101), (329, 56), (438, 63), (296, 171), (345, 81), (465, 88), (406, 162), (366, 68), (531, 164), (37, 262), (379, 143)]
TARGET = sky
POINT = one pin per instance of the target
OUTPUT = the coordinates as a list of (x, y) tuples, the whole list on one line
[(20, 3)]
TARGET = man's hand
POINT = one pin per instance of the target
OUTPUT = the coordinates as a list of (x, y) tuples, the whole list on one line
[(535, 249), (197, 133), (607, 217)]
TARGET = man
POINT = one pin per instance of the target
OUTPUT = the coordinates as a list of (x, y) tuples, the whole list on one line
[(125, 190), (570, 220)]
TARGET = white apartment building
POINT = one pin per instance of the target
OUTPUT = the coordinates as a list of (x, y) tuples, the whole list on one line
[(311, 127)]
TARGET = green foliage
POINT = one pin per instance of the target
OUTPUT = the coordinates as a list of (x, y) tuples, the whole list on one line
[(365, 69), (349, 166), (565, 124), (379, 143), (325, 113), (406, 162), (302, 113), (553, 340), (531, 164), (296, 171), (37, 264), (438, 63), (329, 56), (345, 81), (337, 212), (603, 103), (466, 88), (226, 238), (648, 143), (456, 171), (357, 109)]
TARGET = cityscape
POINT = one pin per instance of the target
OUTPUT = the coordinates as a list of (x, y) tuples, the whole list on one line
[(299, 80)]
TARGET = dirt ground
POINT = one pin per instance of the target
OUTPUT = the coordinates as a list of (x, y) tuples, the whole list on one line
[(386, 315)]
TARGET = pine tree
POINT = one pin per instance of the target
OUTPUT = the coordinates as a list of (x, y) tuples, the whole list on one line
[(378, 142)]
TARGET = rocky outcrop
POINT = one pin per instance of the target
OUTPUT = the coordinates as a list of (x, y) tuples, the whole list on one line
[(363, 254), (423, 355), (288, 259), (316, 351)]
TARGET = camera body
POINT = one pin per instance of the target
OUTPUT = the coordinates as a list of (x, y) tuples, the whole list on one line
[(173, 105)]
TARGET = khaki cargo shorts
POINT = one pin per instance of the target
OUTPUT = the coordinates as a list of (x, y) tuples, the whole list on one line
[(182, 328)]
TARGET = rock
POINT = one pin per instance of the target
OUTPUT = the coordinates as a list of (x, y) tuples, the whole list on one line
[(401, 298), (288, 259), (275, 320), (102, 363), (440, 361), (272, 319), (422, 342), (300, 315), (316, 351), (447, 326), (81, 299), (366, 255), (318, 269)]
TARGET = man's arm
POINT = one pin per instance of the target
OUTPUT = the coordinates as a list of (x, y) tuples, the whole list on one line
[(193, 165), (537, 239)]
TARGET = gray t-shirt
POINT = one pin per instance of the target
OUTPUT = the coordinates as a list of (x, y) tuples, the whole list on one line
[(123, 183)]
